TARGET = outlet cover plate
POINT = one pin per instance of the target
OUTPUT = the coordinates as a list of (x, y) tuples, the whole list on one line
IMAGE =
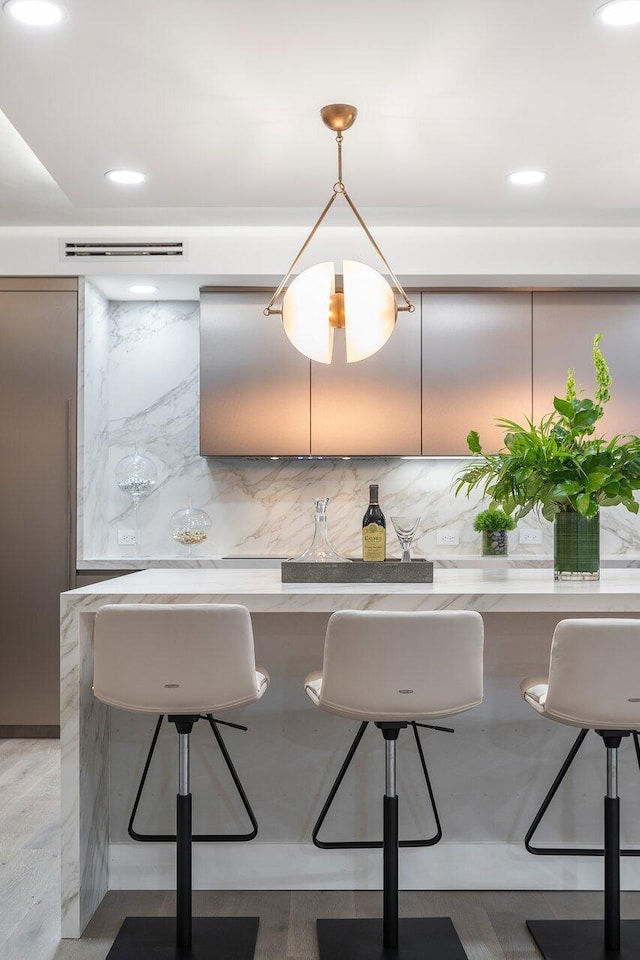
[(447, 538), (531, 536), (127, 538)]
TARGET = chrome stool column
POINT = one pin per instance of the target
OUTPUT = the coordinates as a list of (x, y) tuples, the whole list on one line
[(594, 684), (394, 670), (188, 661)]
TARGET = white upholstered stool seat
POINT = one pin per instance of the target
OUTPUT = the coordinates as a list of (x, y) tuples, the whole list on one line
[(176, 658), (187, 661), (593, 683), (394, 670), (381, 666), (594, 675)]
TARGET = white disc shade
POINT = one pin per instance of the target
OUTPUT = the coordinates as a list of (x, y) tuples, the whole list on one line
[(369, 306)]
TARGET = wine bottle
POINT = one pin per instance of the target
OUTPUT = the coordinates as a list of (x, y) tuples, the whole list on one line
[(374, 528)]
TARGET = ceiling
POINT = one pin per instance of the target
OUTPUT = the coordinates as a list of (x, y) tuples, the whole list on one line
[(218, 103)]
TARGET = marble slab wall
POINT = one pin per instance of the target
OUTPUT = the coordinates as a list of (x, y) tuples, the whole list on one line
[(141, 389)]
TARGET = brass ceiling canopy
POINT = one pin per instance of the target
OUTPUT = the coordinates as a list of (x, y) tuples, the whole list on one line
[(339, 116), (366, 308)]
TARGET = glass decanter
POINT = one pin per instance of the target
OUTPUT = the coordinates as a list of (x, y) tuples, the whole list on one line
[(320, 550)]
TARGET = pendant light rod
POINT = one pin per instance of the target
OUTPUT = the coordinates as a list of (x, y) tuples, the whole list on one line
[(338, 117), (271, 309)]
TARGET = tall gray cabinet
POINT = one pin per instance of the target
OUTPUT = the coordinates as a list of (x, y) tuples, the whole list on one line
[(38, 363)]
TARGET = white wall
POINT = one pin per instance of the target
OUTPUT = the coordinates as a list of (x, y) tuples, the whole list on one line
[(510, 254)]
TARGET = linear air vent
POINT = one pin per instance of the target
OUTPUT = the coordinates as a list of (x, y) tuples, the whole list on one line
[(121, 249)]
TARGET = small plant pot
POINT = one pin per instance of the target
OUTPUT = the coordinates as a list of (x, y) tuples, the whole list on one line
[(495, 543)]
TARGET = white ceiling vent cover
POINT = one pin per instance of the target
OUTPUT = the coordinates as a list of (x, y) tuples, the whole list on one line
[(120, 249)]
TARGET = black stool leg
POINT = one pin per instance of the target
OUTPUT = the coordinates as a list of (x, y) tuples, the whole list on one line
[(612, 850), (611, 939), (390, 846), (184, 938), (414, 938), (184, 879)]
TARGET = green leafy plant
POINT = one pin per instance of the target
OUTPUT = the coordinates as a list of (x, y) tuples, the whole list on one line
[(492, 521), (558, 465)]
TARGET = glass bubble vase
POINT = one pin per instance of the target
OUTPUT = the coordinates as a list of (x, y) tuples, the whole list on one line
[(137, 477), (190, 527)]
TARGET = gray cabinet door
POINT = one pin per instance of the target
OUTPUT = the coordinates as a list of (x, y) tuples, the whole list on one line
[(254, 385), (38, 359), (370, 408), (564, 325), (476, 365)]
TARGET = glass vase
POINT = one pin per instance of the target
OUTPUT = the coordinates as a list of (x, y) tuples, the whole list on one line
[(576, 546), (190, 527), (495, 543), (320, 550)]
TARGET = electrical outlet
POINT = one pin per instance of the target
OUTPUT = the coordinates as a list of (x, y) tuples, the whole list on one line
[(447, 538), (127, 538), (530, 536)]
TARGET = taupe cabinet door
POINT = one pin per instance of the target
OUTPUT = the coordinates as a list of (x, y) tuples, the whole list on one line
[(370, 408), (38, 360), (564, 325), (254, 385), (476, 365)]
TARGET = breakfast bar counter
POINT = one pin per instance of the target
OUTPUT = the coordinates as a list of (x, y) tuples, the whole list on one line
[(291, 754)]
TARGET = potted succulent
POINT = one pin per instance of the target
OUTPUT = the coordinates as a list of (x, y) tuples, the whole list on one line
[(560, 469), (494, 526)]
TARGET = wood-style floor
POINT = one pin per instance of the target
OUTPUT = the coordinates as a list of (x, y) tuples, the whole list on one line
[(491, 925)]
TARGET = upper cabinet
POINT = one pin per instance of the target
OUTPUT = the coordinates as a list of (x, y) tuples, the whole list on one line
[(370, 408), (457, 363), (254, 386), (563, 331), (260, 397), (476, 365)]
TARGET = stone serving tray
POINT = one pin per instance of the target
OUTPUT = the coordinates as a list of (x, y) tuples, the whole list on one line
[(358, 571)]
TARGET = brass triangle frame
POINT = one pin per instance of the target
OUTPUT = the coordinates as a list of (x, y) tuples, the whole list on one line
[(338, 190)]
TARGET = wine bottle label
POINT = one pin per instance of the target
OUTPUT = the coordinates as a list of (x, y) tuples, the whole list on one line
[(374, 542)]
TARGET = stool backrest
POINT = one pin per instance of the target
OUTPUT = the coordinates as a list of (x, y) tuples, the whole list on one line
[(174, 658), (594, 673), (403, 665)]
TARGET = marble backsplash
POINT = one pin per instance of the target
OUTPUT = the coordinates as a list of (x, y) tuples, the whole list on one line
[(140, 383)]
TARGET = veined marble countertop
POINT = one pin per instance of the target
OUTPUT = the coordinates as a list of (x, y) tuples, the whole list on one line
[(260, 589), (454, 561)]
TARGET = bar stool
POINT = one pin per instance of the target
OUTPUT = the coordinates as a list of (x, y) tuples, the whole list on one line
[(188, 661), (593, 683), (394, 670)]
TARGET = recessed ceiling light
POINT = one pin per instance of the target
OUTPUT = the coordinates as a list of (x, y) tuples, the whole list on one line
[(527, 177), (36, 13), (125, 176), (143, 288), (620, 13)]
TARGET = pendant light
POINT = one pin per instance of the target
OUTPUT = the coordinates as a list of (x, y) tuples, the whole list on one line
[(366, 307)]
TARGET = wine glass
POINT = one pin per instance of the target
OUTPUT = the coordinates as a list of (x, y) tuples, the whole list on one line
[(405, 528)]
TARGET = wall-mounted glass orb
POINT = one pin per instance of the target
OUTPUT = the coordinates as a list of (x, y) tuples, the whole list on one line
[(136, 475), (190, 526)]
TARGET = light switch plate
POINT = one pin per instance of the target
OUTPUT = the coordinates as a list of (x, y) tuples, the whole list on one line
[(127, 538), (447, 538)]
